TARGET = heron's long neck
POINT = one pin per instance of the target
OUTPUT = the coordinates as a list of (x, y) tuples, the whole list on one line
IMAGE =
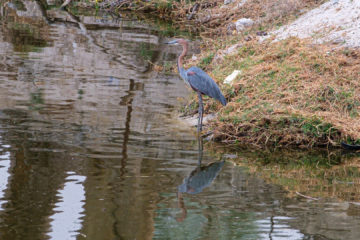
[(181, 57)]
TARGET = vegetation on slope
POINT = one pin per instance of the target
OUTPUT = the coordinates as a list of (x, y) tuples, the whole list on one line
[(289, 93)]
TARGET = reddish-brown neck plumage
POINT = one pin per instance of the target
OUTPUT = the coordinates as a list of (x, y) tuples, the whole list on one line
[(184, 44)]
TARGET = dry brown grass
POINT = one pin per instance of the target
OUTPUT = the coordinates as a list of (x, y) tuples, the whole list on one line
[(290, 93)]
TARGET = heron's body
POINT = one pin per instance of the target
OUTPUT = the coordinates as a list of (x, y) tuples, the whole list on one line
[(201, 82), (198, 80)]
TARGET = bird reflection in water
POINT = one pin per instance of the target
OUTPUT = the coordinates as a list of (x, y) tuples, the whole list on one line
[(201, 177)]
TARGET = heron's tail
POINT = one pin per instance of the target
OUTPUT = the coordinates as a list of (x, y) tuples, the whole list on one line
[(222, 100)]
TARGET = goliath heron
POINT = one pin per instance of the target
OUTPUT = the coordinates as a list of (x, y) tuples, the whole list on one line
[(201, 177), (198, 80)]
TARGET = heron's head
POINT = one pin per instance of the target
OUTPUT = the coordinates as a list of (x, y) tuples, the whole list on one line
[(177, 41)]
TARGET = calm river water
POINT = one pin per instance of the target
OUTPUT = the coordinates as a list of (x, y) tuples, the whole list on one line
[(89, 147)]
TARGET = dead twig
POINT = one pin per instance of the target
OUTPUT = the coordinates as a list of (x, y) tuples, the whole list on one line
[(65, 4), (308, 197)]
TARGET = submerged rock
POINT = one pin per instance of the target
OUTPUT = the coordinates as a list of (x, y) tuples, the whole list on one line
[(193, 120), (229, 156)]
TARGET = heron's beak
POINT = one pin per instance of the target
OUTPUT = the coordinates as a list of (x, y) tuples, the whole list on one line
[(172, 42)]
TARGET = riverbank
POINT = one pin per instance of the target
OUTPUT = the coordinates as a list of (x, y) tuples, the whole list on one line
[(288, 92)]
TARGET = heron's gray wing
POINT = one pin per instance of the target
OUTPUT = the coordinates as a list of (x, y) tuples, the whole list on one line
[(202, 82), (200, 179)]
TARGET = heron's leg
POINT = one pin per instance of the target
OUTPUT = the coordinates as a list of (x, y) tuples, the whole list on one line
[(201, 108), (202, 112), (200, 150)]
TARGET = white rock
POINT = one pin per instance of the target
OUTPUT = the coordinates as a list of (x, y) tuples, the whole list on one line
[(240, 4), (219, 57), (242, 23), (194, 57), (229, 79), (222, 53), (335, 21), (226, 2), (232, 49)]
